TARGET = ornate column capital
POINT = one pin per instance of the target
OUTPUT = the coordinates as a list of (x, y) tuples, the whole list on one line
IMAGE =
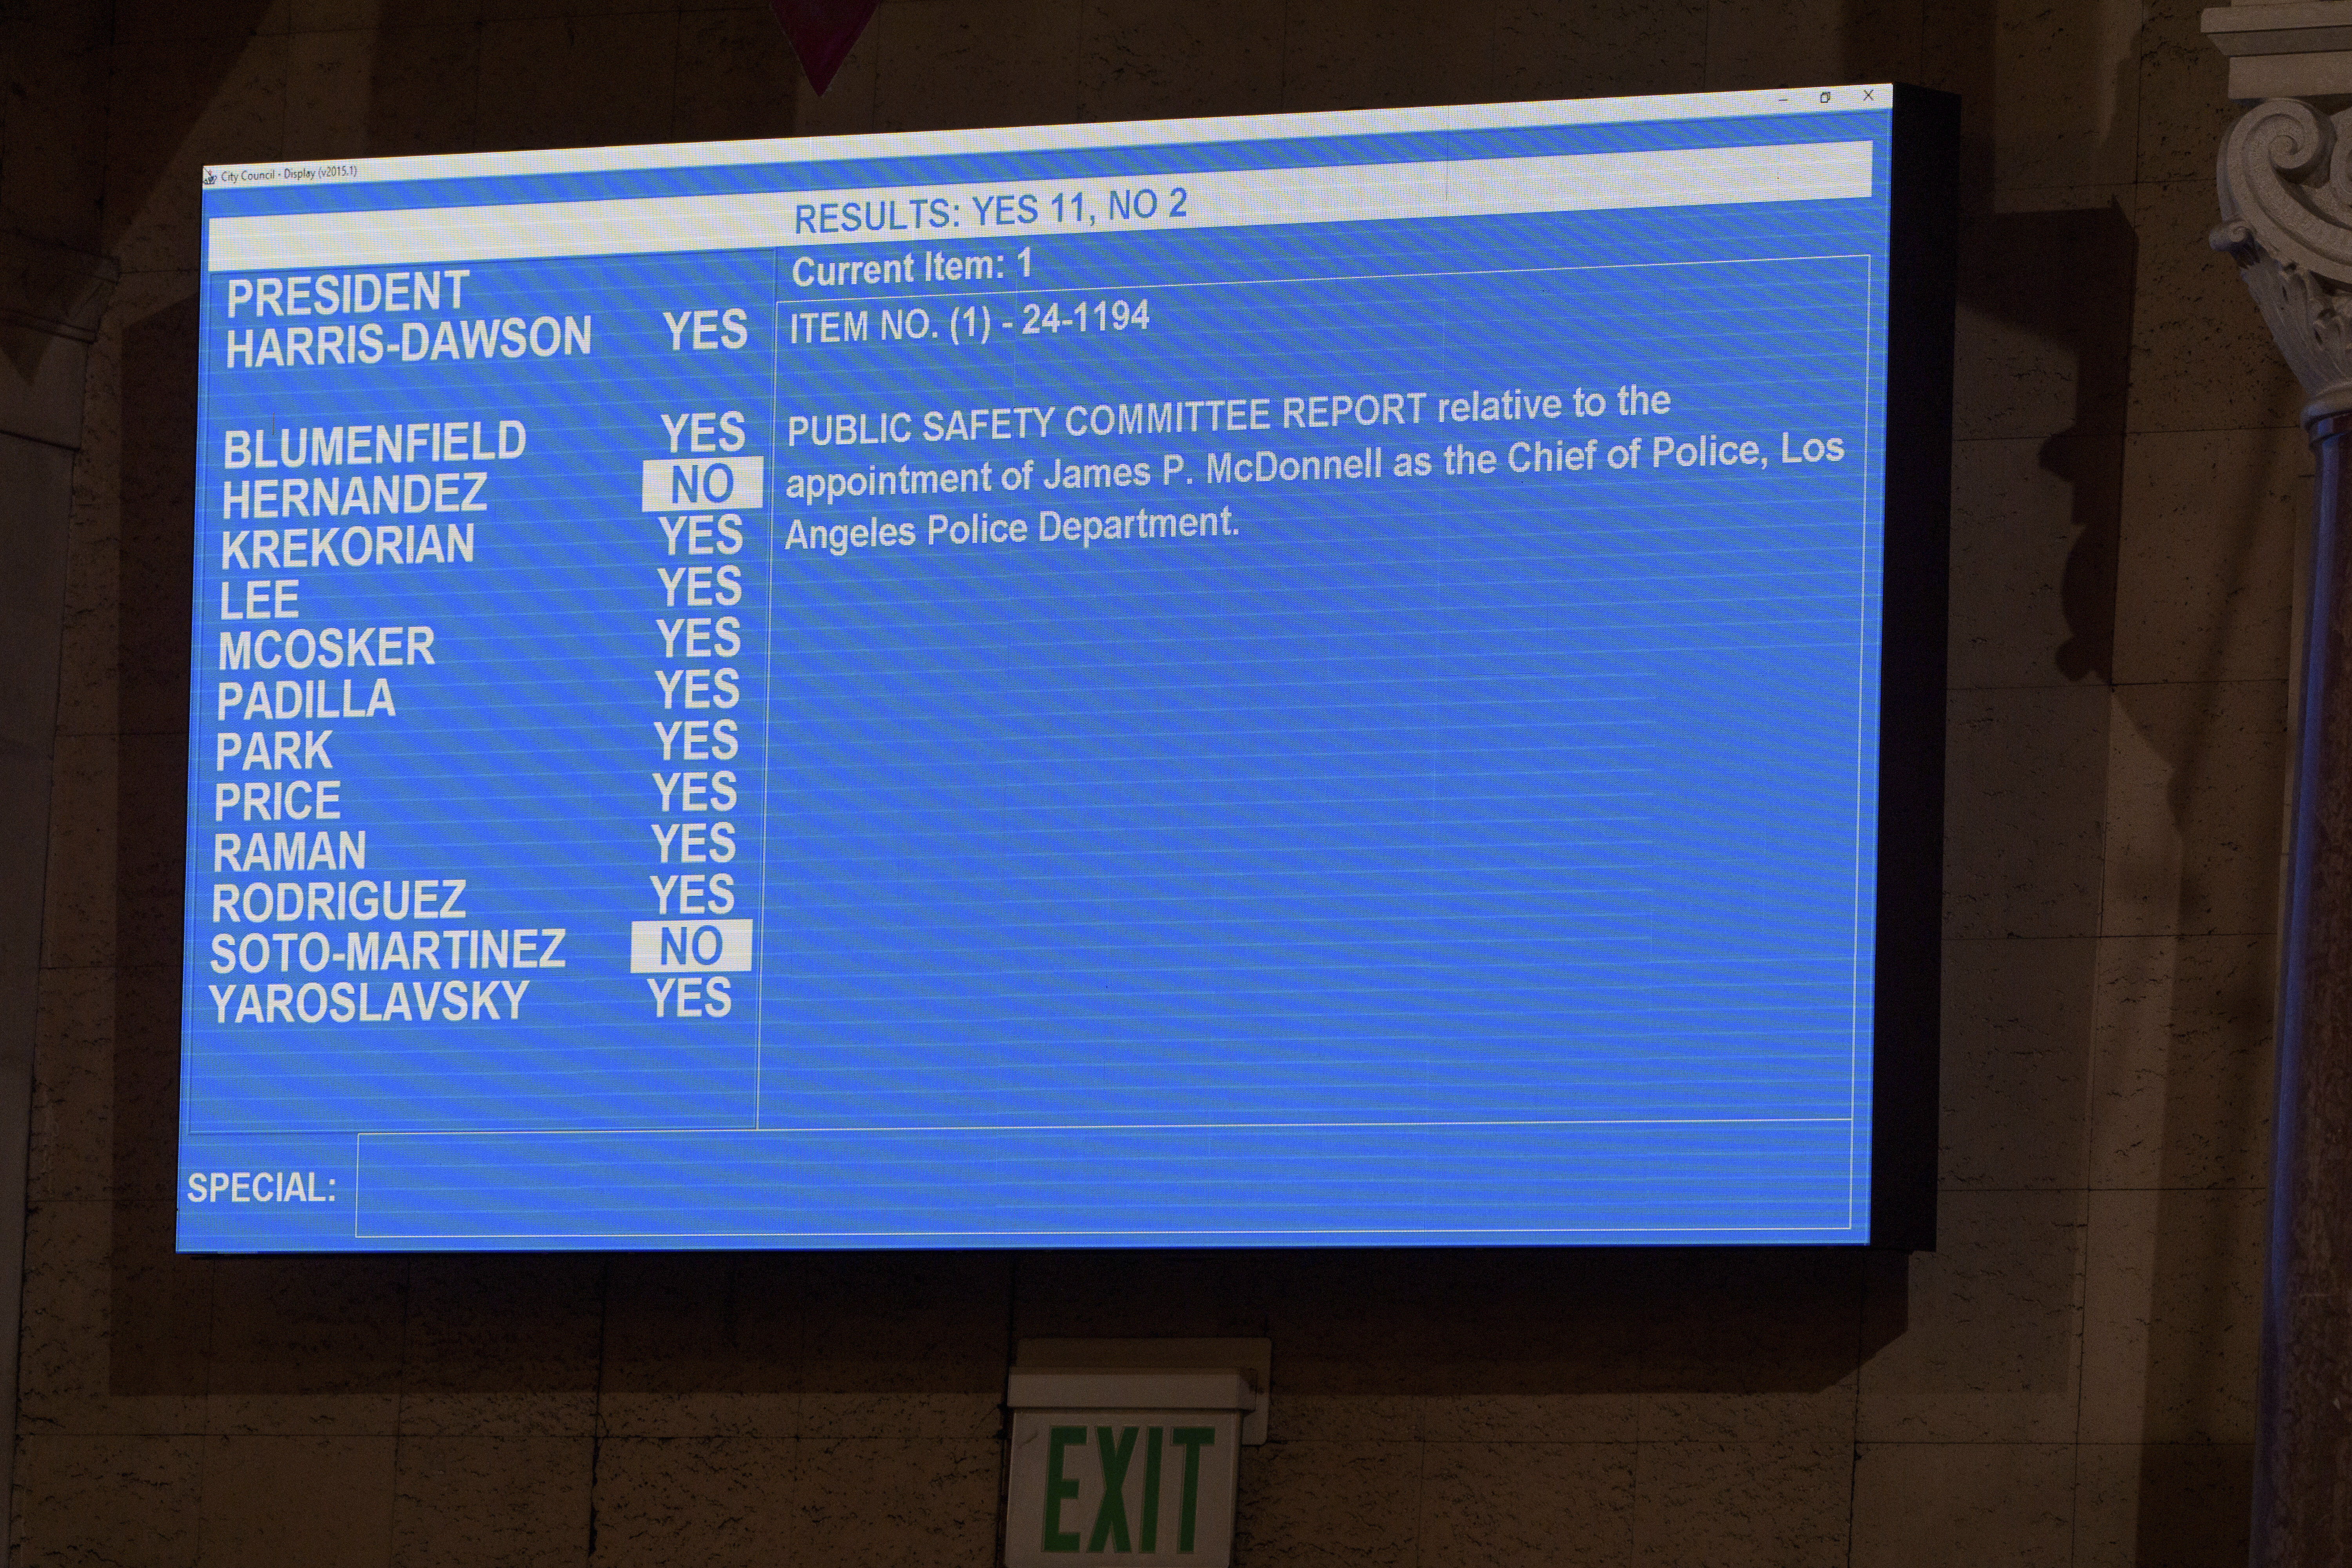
[(2285, 179)]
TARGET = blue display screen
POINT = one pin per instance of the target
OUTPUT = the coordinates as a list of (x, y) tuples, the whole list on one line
[(1308, 680)]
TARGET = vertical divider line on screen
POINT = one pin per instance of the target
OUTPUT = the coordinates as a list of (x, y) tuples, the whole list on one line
[(764, 910), (1863, 755), (1446, 287)]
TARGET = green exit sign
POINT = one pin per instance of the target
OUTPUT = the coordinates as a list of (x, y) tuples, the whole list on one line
[(1122, 1485)]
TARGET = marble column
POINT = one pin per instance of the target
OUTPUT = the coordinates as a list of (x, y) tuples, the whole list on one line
[(2286, 207)]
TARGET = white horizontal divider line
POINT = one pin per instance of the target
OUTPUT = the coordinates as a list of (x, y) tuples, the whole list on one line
[(909, 215)]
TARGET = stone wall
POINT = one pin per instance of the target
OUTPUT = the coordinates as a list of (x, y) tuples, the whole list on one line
[(2067, 1379)]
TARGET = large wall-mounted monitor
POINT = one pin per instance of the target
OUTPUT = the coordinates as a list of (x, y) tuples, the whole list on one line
[(1335, 679)]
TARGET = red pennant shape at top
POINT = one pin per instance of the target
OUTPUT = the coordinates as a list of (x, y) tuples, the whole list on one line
[(823, 32)]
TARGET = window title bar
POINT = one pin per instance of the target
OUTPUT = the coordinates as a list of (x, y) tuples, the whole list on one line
[(1044, 137)]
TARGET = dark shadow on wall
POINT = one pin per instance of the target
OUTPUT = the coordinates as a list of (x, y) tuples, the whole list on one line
[(2068, 278), (2211, 998), (2224, 744), (149, 97), (54, 69), (1368, 1326), (164, 87), (1371, 1324), (160, 1303)]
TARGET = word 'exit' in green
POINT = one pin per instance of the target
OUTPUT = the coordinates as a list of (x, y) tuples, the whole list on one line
[(1115, 1448)]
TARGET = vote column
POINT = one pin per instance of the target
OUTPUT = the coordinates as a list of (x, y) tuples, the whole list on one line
[(702, 492)]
